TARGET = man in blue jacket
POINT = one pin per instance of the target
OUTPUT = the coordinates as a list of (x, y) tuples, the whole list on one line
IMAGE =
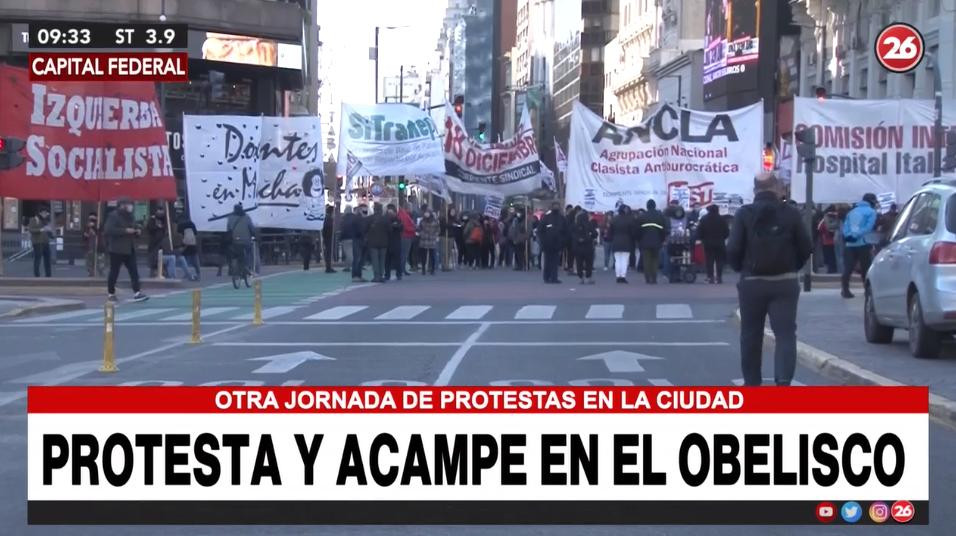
[(858, 224)]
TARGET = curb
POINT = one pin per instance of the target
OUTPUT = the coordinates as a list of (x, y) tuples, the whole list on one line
[(47, 307), (841, 369)]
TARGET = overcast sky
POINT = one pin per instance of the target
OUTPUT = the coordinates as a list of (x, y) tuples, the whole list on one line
[(348, 30)]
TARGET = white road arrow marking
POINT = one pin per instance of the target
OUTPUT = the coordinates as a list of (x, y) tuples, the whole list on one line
[(281, 363), (621, 361)]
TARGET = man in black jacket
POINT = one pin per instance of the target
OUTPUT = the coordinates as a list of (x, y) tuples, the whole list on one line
[(121, 232), (769, 244), (621, 233), (652, 229), (553, 230), (376, 239), (328, 238), (713, 232)]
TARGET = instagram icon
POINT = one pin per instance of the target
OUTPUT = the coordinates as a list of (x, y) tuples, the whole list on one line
[(879, 512)]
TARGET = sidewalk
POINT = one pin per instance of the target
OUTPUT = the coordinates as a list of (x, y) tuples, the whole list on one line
[(830, 329), (18, 306)]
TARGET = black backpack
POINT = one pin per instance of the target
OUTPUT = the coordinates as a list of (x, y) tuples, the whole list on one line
[(770, 248)]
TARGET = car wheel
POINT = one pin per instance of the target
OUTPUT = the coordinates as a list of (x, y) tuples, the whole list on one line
[(924, 342), (875, 332)]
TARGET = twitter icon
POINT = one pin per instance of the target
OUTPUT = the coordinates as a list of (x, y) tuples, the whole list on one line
[(851, 512)]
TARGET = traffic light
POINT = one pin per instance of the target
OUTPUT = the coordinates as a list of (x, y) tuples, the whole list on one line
[(768, 157), (481, 131), (821, 93), (949, 154), (10, 156), (401, 184), (806, 144), (459, 105)]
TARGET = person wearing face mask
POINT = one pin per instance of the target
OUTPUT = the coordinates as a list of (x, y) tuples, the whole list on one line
[(121, 233), (428, 231)]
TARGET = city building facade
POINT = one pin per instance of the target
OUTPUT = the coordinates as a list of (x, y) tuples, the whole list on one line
[(226, 84)]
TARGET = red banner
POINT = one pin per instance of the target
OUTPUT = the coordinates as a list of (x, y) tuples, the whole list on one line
[(85, 141)]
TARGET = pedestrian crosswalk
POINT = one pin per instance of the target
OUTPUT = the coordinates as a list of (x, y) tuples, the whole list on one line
[(449, 313)]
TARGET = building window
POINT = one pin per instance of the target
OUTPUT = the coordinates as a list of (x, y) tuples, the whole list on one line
[(932, 8)]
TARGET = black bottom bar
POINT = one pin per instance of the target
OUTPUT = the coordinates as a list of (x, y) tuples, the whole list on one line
[(441, 513)]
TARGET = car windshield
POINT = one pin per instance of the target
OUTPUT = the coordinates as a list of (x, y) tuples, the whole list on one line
[(951, 214)]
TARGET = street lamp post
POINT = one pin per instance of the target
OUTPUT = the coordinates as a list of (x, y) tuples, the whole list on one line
[(375, 52), (938, 131)]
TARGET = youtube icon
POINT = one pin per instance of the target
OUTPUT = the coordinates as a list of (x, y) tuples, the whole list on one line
[(826, 512)]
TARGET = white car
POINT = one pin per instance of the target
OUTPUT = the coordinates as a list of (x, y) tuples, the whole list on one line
[(912, 282)]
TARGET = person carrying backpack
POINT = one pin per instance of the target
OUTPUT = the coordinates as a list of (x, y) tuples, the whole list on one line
[(769, 244)]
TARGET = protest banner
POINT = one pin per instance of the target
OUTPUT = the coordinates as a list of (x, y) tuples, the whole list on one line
[(272, 166), (493, 204), (866, 146), (713, 155), (505, 168), (411, 455), (388, 139), (85, 141)]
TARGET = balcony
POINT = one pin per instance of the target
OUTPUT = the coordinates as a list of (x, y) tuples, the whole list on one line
[(279, 20)]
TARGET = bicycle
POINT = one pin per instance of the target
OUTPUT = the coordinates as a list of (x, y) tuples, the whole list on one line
[(238, 266)]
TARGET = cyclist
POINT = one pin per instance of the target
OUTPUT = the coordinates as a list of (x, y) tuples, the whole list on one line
[(241, 231)]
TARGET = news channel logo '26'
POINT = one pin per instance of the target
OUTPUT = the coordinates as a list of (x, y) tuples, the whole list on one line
[(899, 47)]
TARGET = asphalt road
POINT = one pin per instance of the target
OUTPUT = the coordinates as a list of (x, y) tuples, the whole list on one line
[(461, 328)]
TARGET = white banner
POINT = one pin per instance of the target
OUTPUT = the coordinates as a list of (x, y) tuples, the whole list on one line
[(713, 156), (559, 157), (493, 204), (271, 165), (506, 168), (865, 146), (434, 184), (389, 139)]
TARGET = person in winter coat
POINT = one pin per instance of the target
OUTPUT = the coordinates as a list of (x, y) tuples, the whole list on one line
[(583, 238), (394, 261), (306, 247), (621, 235), (121, 231), (554, 235), (713, 232), (606, 239), (677, 237), (41, 232), (345, 236), (570, 216), (651, 233), (428, 232), (190, 238), (491, 236), (328, 238), (518, 233), (407, 237), (156, 235), (454, 230), (474, 233), (93, 245), (826, 231), (376, 238), (859, 223)]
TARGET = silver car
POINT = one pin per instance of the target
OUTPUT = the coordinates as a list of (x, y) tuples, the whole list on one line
[(912, 282)]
